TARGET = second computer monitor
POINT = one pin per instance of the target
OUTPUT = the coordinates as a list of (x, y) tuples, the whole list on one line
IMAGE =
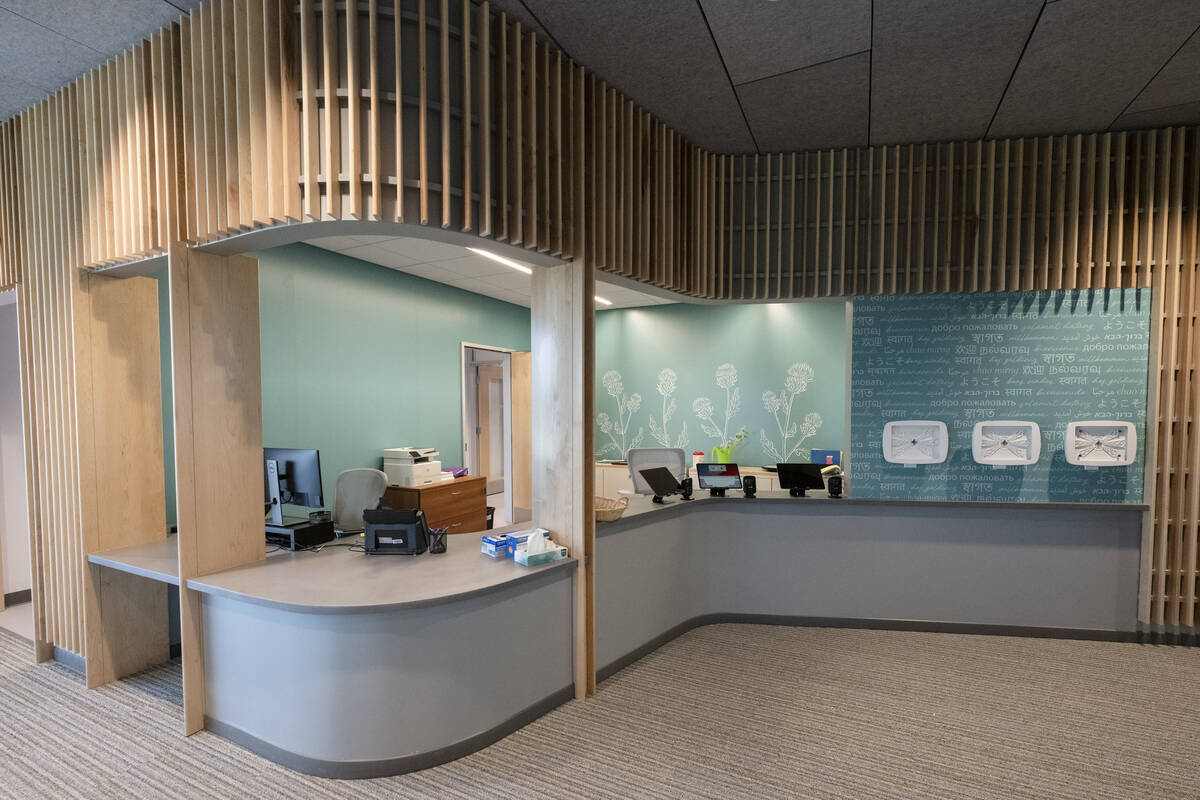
[(797, 478), (299, 476), (718, 476)]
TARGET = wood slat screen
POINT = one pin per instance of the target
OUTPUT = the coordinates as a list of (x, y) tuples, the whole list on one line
[(254, 113)]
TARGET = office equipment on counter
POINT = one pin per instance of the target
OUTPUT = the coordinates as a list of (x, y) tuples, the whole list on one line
[(357, 489), (915, 441), (826, 457), (1101, 443), (1003, 443), (293, 477), (718, 477), (685, 488), (402, 531), (459, 504), (437, 541), (518, 539), (671, 458), (661, 482), (608, 509), (495, 545), (797, 478), (749, 486), (834, 479), (412, 466)]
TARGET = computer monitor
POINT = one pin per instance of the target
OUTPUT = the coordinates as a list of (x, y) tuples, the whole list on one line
[(796, 478), (718, 476), (291, 477), (661, 482)]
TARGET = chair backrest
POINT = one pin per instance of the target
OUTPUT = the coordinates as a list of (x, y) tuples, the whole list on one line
[(357, 490), (673, 458)]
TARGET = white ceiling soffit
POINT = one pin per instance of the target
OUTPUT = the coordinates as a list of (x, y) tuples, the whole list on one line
[(458, 267)]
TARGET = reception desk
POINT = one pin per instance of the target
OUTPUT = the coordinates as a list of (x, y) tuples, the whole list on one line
[(1062, 569), (344, 665)]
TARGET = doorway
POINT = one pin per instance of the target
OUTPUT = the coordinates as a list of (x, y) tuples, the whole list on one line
[(496, 427), (16, 611)]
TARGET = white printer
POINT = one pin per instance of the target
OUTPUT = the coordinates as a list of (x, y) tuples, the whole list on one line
[(412, 466)]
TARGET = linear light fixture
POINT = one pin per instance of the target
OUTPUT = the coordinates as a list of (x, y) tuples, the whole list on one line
[(501, 260), (603, 301)]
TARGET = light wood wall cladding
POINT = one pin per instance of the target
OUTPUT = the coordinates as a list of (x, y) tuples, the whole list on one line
[(10, 203)]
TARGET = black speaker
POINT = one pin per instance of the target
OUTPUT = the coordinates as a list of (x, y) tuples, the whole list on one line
[(834, 484), (685, 488), (749, 485)]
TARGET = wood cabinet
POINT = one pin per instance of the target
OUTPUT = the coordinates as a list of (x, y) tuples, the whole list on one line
[(460, 504)]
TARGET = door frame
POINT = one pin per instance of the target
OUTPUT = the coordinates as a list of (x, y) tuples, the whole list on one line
[(468, 431)]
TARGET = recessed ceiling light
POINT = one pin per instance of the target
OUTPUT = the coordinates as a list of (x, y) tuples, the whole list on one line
[(501, 260), (603, 301)]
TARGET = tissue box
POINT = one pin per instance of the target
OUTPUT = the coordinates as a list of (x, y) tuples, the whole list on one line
[(516, 540), (495, 545), (524, 558)]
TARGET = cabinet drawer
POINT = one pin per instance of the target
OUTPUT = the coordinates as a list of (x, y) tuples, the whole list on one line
[(453, 501), (471, 522)]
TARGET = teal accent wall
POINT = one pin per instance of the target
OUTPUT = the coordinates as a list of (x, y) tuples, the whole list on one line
[(357, 357), (694, 364), (1044, 357)]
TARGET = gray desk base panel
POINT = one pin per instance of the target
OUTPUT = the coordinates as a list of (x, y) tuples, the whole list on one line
[(382, 768)]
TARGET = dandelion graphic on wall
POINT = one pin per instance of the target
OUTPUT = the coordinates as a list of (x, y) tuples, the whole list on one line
[(703, 408), (618, 430), (667, 383), (779, 405)]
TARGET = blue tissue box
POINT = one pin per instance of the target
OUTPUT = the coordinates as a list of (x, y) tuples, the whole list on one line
[(496, 545), (517, 539)]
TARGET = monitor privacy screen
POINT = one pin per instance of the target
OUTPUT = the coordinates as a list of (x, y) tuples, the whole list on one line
[(718, 476)]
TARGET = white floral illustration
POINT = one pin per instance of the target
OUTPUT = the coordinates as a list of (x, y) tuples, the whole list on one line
[(667, 383), (702, 407), (779, 405), (618, 430)]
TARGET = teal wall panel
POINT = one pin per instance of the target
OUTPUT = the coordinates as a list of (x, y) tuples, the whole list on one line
[(696, 375), (1045, 357), (357, 357)]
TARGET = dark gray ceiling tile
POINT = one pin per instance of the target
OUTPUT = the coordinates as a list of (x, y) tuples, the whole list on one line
[(1087, 59), (516, 11), (1178, 82), (822, 106), (16, 96), (939, 69), (1182, 114), (107, 27), (38, 56), (661, 55), (759, 39)]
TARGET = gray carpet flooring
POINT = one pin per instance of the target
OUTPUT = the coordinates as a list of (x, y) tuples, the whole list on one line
[(726, 711)]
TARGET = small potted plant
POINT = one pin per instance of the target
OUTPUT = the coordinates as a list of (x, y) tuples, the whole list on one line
[(723, 454)]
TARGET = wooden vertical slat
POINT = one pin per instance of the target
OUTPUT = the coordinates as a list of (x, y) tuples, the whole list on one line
[(485, 119), (354, 170), (310, 136), (374, 120), (444, 87), (398, 121), (468, 121), (422, 108), (333, 116)]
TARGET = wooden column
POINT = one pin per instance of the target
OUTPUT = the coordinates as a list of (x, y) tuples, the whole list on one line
[(563, 332), (121, 474), (218, 435)]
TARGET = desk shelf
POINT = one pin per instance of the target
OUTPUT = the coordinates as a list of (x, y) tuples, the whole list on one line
[(158, 561)]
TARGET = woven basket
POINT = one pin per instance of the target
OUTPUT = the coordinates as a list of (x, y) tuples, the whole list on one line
[(608, 509)]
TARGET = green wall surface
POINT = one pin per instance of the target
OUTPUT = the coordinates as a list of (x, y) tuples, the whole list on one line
[(776, 372), (357, 357)]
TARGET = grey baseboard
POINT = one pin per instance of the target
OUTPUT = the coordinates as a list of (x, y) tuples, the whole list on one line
[(16, 598), (381, 768), (72, 661), (615, 666)]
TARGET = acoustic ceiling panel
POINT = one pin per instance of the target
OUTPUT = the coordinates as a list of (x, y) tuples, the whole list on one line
[(821, 106), (1182, 114), (661, 55), (1087, 59), (39, 56), (1176, 84), (516, 11), (761, 39), (105, 27), (939, 69)]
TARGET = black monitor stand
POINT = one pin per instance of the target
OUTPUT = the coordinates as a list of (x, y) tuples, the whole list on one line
[(716, 492), (796, 491)]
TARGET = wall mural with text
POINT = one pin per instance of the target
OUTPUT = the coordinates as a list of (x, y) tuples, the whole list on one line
[(684, 375)]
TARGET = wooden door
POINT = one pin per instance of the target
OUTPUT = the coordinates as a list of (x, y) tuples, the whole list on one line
[(489, 394)]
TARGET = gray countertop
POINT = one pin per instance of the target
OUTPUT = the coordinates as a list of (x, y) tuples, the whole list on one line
[(336, 580), (640, 506), (158, 561)]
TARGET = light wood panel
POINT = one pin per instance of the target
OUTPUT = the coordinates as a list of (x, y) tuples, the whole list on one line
[(521, 375), (563, 372), (218, 435)]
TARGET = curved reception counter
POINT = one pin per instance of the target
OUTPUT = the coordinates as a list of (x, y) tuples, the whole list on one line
[(1058, 569), (342, 665)]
